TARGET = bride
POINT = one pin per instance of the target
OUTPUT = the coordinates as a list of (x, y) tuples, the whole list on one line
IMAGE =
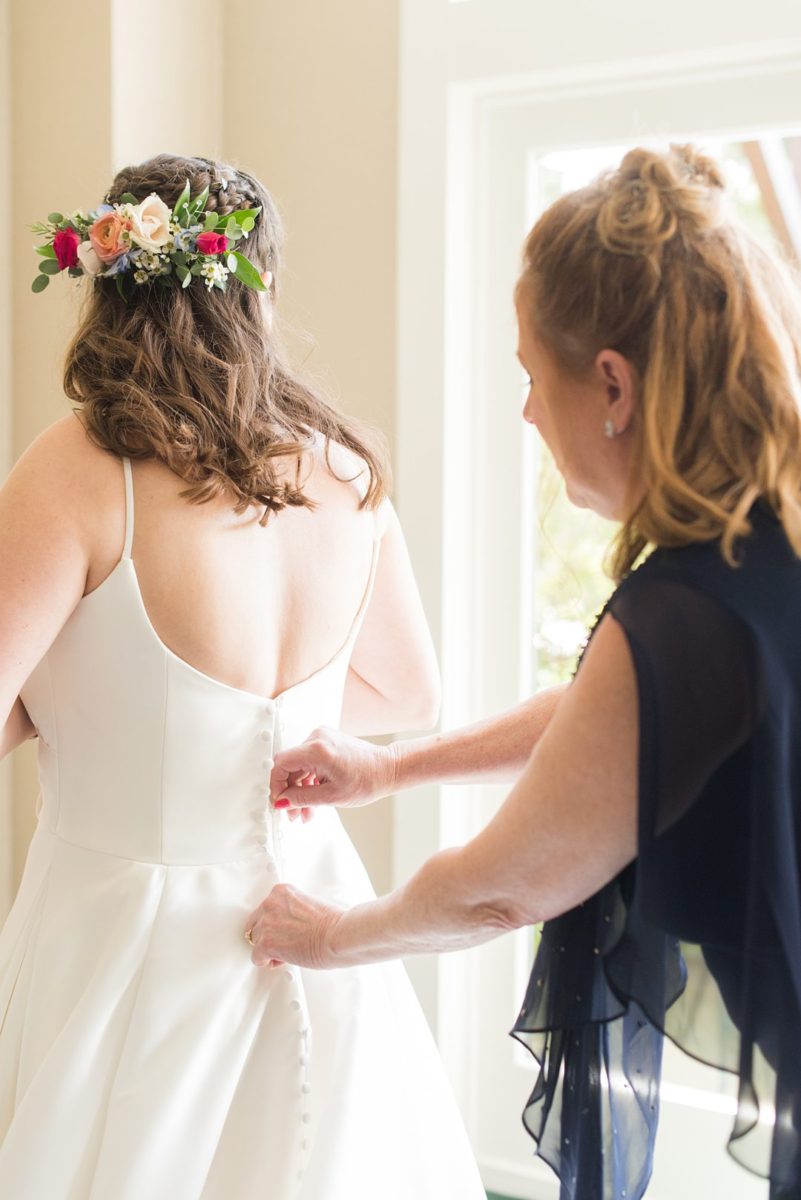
[(200, 566)]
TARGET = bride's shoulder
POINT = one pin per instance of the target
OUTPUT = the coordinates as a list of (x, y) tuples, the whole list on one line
[(65, 448), (65, 469), (342, 467)]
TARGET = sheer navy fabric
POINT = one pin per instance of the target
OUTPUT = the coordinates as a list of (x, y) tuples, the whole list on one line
[(708, 916)]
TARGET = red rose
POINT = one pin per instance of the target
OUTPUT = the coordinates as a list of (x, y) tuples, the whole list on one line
[(212, 243), (65, 244)]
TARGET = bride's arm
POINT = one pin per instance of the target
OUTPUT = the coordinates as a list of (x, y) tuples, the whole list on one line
[(393, 682), (44, 557), (17, 729)]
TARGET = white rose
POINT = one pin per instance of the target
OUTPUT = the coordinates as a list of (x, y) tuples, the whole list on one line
[(150, 223), (87, 256)]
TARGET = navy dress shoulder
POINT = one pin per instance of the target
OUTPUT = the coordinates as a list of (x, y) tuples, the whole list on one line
[(708, 915)]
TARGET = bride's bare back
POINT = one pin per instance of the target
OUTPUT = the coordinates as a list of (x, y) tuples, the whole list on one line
[(256, 607)]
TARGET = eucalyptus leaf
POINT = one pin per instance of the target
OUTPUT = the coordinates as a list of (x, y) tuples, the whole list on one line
[(49, 267), (247, 224), (247, 273), (55, 218), (40, 283), (179, 258), (230, 262), (45, 251), (196, 268), (128, 198), (242, 214), (211, 221), (185, 282), (182, 272)]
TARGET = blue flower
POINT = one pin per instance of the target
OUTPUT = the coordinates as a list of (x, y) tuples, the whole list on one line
[(184, 239), (120, 264), (104, 208)]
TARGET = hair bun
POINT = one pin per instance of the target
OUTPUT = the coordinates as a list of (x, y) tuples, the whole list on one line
[(651, 197)]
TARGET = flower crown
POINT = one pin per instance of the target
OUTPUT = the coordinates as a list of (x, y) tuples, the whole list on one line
[(137, 243)]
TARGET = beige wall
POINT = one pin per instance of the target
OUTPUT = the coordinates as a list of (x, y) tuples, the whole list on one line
[(302, 94), (6, 767)]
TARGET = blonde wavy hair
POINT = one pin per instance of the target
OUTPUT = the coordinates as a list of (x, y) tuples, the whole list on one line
[(648, 261), (196, 377)]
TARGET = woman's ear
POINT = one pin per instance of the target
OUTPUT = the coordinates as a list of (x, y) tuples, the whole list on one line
[(616, 376)]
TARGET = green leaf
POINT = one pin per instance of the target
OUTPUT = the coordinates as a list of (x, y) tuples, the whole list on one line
[(49, 267), (182, 272), (163, 280), (247, 224), (40, 283), (196, 268), (180, 203), (179, 258), (244, 214), (55, 218), (199, 202), (211, 221), (45, 251), (128, 198), (119, 281), (185, 282), (247, 273), (230, 262)]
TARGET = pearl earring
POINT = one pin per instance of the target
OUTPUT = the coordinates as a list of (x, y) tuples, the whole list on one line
[(609, 428)]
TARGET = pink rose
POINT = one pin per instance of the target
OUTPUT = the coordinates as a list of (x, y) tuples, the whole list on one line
[(105, 236), (65, 244), (212, 243)]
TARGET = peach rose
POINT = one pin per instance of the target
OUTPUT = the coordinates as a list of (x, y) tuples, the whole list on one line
[(105, 236), (87, 256), (150, 223)]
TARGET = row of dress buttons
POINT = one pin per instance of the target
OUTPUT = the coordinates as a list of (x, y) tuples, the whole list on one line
[(263, 812), (298, 1006)]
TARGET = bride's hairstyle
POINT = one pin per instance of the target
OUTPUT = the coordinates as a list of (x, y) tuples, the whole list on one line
[(647, 261), (196, 377)]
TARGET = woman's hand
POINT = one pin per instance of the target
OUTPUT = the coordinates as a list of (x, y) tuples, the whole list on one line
[(332, 767), (291, 927)]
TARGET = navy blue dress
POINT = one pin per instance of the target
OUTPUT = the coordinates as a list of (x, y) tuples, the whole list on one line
[(711, 906)]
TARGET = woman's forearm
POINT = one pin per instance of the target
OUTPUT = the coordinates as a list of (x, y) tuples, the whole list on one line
[(496, 749), (436, 911)]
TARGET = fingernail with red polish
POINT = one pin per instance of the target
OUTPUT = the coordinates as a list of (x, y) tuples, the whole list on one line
[(281, 804)]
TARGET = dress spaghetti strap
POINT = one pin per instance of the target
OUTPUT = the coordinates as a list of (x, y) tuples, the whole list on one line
[(129, 508)]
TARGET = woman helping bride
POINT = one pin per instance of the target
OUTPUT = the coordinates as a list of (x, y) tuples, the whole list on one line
[(205, 567)]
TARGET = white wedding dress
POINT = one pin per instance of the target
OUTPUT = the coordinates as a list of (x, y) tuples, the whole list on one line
[(142, 1054)]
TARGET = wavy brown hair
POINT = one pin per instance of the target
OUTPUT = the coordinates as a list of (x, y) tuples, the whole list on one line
[(196, 377), (648, 261)]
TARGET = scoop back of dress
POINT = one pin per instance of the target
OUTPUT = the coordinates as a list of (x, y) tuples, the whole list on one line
[(141, 1052)]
